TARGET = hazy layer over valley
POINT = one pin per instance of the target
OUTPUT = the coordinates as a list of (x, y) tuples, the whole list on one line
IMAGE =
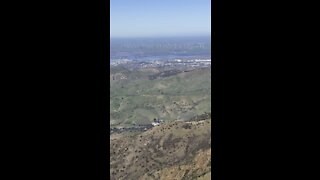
[(160, 48)]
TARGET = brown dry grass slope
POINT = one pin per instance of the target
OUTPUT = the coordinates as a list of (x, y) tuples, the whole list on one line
[(176, 150)]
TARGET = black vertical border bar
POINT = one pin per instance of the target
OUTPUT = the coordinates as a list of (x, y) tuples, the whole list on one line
[(218, 74), (106, 40), (102, 82)]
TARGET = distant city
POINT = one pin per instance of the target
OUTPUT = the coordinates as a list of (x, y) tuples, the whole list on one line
[(168, 53), (170, 64)]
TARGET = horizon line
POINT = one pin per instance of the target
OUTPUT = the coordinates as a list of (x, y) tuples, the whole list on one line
[(162, 36)]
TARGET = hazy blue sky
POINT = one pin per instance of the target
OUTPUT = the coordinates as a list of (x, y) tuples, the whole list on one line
[(144, 18)]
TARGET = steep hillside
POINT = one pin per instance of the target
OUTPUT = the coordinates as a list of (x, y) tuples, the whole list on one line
[(176, 151)]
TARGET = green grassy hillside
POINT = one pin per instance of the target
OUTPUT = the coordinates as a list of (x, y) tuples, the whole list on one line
[(138, 99)]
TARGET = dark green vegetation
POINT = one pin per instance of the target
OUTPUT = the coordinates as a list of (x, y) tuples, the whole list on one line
[(139, 96)]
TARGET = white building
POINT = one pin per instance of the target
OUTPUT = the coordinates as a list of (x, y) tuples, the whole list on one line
[(155, 124)]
